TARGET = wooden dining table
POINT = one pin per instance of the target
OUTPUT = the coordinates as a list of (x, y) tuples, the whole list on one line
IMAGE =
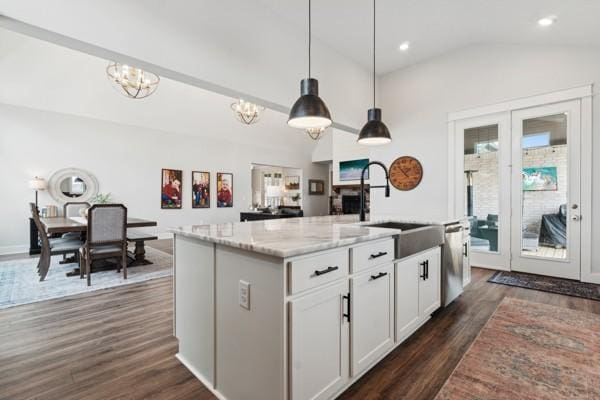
[(58, 225)]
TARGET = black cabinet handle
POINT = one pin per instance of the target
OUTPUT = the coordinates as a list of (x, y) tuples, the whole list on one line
[(424, 265), (326, 270), (379, 275), (466, 250), (347, 313), (426, 269), (380, 254)]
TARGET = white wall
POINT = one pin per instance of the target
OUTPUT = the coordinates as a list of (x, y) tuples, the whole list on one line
[(241, 45), (127, 162), (416, 101)]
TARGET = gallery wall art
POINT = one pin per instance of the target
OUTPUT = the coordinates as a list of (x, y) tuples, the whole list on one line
[(224, 190), (200, 189), (171, 188)]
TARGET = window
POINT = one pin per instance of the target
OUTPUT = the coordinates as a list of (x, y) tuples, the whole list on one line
[(536, 140), (487, 146)]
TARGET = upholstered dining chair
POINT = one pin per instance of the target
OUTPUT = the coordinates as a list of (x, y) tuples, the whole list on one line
[(50, 246), (106, 237), (71, 209)]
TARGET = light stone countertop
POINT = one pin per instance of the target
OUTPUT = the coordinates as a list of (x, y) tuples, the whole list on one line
[(287, 237), (379, 218)]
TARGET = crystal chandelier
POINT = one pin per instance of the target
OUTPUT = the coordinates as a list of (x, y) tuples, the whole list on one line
[(246, 112), (315, 133), (132, 82)]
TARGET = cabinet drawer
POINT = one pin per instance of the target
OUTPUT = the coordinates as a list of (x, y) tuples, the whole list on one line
[(371, 254), (312, 271)]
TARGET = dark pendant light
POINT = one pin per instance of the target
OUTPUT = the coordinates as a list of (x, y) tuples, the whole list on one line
[(374, 132), (309, 111)]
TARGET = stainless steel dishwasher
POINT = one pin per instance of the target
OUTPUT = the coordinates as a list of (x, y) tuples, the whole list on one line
[(452, 262)]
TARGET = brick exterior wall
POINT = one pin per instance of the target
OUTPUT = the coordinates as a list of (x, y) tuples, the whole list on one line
[(535, 204)]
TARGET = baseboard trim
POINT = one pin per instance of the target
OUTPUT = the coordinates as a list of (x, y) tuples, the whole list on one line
[(200, 377), (17, 249)]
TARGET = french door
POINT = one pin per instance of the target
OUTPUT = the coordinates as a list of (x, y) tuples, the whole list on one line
[(483, 171), (546, 192), (517, 180)]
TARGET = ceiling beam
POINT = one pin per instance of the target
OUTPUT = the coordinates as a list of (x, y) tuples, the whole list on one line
[(101, 52)]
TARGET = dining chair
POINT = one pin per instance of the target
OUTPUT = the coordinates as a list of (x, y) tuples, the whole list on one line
[(50, 246), (106, 237), (71, 209)]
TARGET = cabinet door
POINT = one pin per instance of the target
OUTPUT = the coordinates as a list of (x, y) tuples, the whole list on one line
[(319, 347), (466, 263), (429, 282), (372, 316), (407, 297)]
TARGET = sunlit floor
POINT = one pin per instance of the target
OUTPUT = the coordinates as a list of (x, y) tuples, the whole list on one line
[(542, 251), (547, 252)]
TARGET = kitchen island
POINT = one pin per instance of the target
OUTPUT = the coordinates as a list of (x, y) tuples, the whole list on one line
[(295, 308)]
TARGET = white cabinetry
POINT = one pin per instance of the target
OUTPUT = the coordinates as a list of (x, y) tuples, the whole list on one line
[(372, 316), (407, 298), (429, 281), (418, 291), (319, 349)]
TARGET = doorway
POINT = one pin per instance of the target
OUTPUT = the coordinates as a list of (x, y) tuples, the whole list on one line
[(517, 178)]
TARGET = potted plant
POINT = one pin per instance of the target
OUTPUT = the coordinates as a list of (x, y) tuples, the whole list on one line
[(97, 199)]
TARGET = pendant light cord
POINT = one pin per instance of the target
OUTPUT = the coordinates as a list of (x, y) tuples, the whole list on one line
[(374, 53), (309, 34)]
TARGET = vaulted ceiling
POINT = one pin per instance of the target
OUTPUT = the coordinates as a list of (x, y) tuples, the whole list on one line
[(435, 27)]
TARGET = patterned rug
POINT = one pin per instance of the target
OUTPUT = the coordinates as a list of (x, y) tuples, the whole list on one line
[(530, 351), (20, 283), (547, 284)]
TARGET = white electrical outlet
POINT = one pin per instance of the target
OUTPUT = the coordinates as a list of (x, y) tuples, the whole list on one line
[(244, 294)]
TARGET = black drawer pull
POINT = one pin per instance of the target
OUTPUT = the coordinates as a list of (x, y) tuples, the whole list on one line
[(425, 265), (379, 275), (465, 251), (326, 270), (347, 314), (380, 254)]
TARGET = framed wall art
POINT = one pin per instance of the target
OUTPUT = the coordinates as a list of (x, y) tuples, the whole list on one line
[(200, 189), (170, 197), (224, 190)]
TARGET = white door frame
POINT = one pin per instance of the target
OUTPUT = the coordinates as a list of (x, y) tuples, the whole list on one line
[(584, 93), (571, 266), (501, 258)]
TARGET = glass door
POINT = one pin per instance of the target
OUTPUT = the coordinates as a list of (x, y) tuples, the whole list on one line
[(484, 190), (545, 231)]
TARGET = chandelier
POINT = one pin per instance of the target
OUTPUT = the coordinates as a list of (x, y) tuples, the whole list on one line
[(315, 133), (132, 82), (246, 112)]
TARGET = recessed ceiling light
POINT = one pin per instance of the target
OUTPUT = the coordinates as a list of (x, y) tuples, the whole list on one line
[(404, 46), (546, 21)]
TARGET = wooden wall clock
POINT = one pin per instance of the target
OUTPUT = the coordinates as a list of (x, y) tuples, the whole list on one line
[(406, 173)]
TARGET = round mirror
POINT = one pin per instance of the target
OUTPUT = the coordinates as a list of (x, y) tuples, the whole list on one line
[(73, 186), (72, 183)]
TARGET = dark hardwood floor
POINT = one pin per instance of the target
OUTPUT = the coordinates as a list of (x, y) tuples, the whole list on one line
[(117, 344)]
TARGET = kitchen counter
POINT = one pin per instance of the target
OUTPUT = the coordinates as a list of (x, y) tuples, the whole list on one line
[(264, 309), (287, 237)]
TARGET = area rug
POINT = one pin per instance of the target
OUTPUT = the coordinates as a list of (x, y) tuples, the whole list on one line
[(20, 284), (547, 284), (530, 351)]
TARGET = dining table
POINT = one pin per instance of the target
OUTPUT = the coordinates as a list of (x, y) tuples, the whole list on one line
[(62, 225)]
